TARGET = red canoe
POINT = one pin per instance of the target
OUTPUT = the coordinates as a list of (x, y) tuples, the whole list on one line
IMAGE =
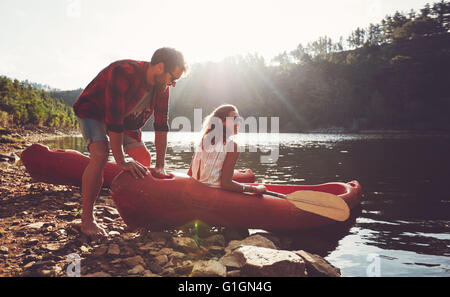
[(160, 203), (66, 167)]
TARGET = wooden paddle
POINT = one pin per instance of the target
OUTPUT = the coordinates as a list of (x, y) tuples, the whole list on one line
[(321, 203)]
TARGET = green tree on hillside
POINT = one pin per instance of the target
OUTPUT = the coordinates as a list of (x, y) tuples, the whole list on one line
[(22, 104)]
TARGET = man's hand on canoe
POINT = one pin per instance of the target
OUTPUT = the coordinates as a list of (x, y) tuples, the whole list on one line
[(135, 168)]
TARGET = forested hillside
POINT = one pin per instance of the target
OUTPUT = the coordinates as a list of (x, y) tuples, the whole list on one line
[(27, 105), (391, 75)]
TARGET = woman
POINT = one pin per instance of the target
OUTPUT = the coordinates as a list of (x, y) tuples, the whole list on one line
[(216, 155)]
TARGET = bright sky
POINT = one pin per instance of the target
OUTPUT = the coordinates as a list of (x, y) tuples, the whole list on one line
[(65, 43)]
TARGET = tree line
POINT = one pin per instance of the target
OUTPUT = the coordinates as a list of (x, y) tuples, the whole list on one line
[(23, 104), (391, 75)]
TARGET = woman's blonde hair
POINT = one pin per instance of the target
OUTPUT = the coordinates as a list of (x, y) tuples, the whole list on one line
[(210, 121)]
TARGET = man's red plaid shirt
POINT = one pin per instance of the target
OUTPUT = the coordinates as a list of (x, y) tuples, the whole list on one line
[(115, 92)]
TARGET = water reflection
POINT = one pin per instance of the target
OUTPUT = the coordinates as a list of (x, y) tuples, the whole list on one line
[(404, 215), (67, 143)]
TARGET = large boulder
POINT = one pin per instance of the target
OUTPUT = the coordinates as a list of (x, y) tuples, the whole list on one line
[(254, 240), (282, 242), (316, 266), (256, 261), (185, 244)]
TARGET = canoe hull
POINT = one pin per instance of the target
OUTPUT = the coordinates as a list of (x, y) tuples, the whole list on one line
[(161, 203), (66, 167)]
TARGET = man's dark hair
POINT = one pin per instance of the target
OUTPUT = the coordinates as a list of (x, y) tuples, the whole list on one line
[(170, 57)]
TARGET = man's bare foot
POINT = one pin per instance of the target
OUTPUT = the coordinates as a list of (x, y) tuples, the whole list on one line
[(93, 230)]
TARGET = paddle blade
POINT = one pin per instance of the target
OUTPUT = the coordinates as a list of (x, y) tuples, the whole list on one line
[(321, 203)]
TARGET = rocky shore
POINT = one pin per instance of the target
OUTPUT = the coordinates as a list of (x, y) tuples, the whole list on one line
[(40, 236)]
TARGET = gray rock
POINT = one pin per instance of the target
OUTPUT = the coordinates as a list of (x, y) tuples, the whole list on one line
[(113, 249), (214, 240), (282, 242), (116, 261), (111, 212), (98, 274), (185, 269), (185, 244), (138, 269), (127, 251), (233, 260), (163, 251), (147, 247), (161, 260), (155, 267), (169, 272), (209, 268), (254, 240), (148, 273), (20, 234), (176, 255), (216, 250), (266, 262), (71, 205), (100, 251), (31, 242), (29, 265), (113, 233), (134, 261), (44, 272), (52, 247), (37, 225), (317, 266)]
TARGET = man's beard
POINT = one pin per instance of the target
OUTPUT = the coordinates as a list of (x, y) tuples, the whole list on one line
[(159, 82)]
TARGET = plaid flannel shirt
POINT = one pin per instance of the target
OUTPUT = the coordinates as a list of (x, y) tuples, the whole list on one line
[(115, 91)]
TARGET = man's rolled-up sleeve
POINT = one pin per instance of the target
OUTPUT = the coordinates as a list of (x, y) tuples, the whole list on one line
[(161, 113), (116, 88)]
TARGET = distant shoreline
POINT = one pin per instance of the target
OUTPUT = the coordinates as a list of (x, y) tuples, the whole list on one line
[(19, 137), (378, 131), (14, 139), (333, 131)]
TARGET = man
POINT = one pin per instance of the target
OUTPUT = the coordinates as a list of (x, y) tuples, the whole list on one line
[(118, 103)]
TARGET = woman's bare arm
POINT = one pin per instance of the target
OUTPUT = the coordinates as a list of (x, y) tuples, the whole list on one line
[(226, 181)]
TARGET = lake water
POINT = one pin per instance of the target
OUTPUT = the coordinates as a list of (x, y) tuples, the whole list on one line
[(403, 225)]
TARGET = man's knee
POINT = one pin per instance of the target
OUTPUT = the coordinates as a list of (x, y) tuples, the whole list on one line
[(99, 151)]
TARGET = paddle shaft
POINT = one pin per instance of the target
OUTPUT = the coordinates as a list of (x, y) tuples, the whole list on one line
[(279, 195)]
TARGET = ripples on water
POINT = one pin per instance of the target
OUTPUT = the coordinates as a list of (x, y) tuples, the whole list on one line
[(404, 216)]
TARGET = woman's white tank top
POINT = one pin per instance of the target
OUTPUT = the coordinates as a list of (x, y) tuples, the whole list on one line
[(207, 163)]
